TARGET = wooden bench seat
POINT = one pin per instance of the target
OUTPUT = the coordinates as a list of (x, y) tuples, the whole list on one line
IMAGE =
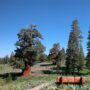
[(76, 80)]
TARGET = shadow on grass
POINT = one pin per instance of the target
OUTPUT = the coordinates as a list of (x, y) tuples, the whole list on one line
[(46, 65), (62, 71), (13, 75), (59, 84), (52, 72), (47, 72)]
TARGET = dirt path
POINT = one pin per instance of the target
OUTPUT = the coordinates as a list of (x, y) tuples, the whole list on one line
[(40, 86)]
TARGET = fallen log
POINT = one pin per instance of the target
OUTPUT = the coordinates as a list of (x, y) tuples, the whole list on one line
[(73, 80)]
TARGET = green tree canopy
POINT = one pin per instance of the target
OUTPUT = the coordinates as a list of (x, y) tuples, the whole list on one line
[(88, 54), (61, 58), (73, 49), (28, 47), (81, 60), (54, 52)]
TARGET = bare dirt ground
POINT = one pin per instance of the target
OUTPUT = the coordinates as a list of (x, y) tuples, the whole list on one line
[(37, 74), (36, 71), (42, 66), (38, 68), (40, 86)]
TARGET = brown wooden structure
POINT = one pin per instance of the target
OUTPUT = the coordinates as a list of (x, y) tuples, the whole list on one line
[(73, 80)]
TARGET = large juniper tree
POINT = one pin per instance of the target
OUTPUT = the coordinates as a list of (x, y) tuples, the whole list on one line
[(73, 48), (28, 47), (88, 54)]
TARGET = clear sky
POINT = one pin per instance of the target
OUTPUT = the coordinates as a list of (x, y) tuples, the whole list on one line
[(53, 17)]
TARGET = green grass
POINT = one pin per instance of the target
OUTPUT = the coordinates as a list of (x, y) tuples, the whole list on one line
[(53, 86), (5, 68), (85, 71), (24, 83)]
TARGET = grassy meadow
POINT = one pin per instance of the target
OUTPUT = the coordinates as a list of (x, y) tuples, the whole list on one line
[(41, 73)]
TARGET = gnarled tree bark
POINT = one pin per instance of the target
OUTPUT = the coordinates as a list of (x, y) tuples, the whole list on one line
[(27, 71)]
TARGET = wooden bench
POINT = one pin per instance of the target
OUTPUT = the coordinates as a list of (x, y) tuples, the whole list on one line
[(73, 80)]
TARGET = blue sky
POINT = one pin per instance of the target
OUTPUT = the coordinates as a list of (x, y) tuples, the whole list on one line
[(53, 17)]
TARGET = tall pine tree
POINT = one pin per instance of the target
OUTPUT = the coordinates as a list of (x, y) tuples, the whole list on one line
[(73, 48), (81, 59), (88, 54)]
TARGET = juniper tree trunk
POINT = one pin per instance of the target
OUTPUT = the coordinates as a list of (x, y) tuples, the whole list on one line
[(27, 71)]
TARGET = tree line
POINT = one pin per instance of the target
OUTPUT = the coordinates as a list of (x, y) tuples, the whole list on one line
[(30, 50)]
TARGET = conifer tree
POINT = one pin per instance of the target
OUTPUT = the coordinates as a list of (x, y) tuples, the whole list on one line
[(81, 59), (61, 57), (54, 52), (73, 48), (88, 54)]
